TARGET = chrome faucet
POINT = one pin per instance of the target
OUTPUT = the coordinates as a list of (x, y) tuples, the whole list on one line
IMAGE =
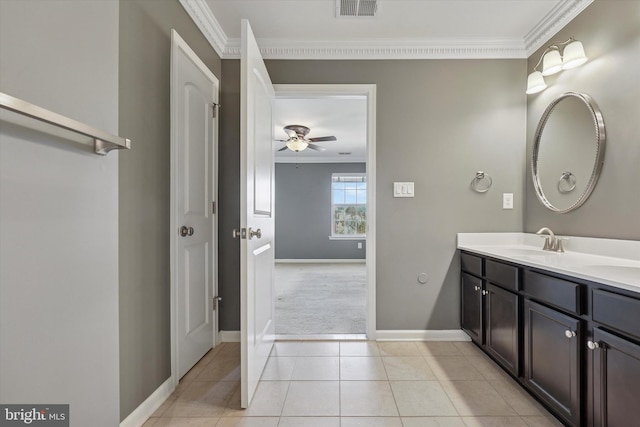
[(551, 241)]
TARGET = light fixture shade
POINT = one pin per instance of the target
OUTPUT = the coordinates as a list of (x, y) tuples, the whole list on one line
[(573, 55), (551, 63), (535, 83), (297, 144)]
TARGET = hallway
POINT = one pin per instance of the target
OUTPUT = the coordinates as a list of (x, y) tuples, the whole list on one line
[(351, 384)]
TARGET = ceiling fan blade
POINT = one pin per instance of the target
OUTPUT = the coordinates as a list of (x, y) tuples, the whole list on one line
[(322, 138), (290, 132), (284, 148), (316, 147)]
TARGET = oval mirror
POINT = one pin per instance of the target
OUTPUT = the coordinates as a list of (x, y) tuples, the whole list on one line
[(568, 152)]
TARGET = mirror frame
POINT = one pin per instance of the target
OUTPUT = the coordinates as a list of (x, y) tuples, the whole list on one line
[(598, 123)]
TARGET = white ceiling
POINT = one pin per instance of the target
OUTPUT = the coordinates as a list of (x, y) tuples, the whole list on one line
[(343, 117), (401, 29)]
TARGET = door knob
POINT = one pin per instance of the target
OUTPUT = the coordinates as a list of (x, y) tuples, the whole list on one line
[(255, 233), (186, 231)]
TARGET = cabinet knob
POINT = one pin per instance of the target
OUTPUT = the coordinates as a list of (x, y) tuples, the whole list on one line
[(485, 292), (593, 345), (476, 288), (569, 333)]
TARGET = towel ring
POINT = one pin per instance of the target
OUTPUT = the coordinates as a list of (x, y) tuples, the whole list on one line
[(481, 183)]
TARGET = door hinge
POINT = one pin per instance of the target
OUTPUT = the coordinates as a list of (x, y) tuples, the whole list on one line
[(213, 207), (214, 109)]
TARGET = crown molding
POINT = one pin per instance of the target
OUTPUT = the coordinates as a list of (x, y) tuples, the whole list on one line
[(204, 19), (227, 48), (553, 22)]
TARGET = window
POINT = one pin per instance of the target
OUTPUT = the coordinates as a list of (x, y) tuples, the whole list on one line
[(348, 205)]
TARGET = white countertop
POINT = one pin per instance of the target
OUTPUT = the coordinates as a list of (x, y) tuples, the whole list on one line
[(608, 261)]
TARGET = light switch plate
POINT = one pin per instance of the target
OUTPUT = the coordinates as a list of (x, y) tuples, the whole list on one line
[(403, 189), (507, 201)]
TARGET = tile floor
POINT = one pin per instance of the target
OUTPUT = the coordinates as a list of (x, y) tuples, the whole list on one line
[(354, 384)]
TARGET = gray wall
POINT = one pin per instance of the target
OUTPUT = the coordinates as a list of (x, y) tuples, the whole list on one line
[(145, 46), (610, 32), (437, 126), (303, 206), (59, 212)]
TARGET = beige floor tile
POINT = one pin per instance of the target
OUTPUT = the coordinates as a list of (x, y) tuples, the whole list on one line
[(229, 350), (438, 348), (549, 421), (309, 422), (367, 399), (487, 367), (249, 422), (359, 348), (432, 422), (286, 348), (476, 398), (408, 368), (453, 368), (221, 369), (186, 422), (468, 348), (494, 422), (165, 405), (278, 369), (202, 399), (422, 399), (312, 398), (316, 368), (371, 422), (150, 422), (517, 398), (267, 401), (395, 348), (359, 368), (320, 348)]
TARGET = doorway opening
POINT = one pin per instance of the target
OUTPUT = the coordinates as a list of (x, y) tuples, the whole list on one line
[(325, 203)]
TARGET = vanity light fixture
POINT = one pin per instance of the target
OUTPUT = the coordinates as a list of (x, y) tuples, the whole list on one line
[(553, 60)]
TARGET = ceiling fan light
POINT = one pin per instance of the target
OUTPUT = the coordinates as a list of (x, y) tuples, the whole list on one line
[(573, 55), (297, 144), (551, 63), (535, 83)]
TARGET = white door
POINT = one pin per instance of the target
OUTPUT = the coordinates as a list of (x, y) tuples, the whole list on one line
[(256, 215), (194, 95)]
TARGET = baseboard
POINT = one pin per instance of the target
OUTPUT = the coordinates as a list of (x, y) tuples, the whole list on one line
[(229, 336), (425, 335), (321, 261), (142, 413)]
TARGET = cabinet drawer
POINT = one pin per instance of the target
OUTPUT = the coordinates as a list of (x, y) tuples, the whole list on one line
[(471, 263), (617, 311), (558, 292), (502, 275)]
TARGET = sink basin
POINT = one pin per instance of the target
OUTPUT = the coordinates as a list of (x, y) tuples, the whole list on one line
[(628, 273)]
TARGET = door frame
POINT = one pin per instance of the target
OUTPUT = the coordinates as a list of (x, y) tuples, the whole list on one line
[(368, 91), (177, 41)]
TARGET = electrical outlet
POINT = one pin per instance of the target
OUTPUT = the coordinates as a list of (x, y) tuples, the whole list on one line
[(507, 201), (359, 245)]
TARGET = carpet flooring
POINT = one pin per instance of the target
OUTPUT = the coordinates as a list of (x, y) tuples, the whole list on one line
[(324, 298)]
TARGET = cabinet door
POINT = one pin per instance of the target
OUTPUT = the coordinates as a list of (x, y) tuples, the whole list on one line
[(501, 327), (472, 307), (616, 381), (552, 359)]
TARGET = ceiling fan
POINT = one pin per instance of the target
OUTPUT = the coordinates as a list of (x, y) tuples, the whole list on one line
[(298, 140)]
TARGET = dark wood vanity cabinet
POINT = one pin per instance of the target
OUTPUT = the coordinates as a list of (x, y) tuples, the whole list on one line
[(572, 343)]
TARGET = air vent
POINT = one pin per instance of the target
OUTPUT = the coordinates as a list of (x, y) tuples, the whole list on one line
[(356, 7), (344, 153)]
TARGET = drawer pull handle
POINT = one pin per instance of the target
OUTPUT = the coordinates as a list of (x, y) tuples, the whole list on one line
[(569, 333), (593, 345)]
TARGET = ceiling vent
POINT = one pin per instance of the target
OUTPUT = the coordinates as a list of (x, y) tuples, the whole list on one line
[(356, 7)]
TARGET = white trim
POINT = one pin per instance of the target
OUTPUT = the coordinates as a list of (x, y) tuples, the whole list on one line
[(229, 336), (142, 413), (563, 13), (322, 159), (323, 337), (349, 237), (369, 91), (424, 335), (454, 48), (320, 261)]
